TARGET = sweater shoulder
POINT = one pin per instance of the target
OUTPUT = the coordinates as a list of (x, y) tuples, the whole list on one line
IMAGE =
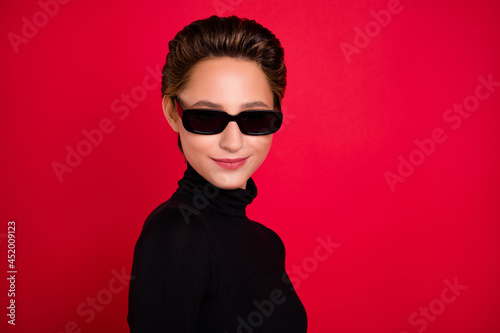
[(271, 235), (175, 223), (176, 210)]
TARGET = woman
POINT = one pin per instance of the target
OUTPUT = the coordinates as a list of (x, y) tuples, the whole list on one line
[(200, 265)]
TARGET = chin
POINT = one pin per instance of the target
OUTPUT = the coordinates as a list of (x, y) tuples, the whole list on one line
[(230, 180), (230, 187), (231, 184), (222, 178)]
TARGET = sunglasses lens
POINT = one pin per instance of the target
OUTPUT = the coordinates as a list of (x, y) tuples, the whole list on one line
[(204, 122), (213, 121), (260, 122)]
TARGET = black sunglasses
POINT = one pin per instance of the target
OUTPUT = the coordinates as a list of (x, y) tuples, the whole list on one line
[(209, 121)]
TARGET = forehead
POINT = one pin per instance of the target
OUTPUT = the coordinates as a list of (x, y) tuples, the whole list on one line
[(225, 79)]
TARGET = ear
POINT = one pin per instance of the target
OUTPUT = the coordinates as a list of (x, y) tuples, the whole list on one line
[(169, 110)]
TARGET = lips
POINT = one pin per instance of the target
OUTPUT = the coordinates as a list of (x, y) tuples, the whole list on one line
[(230, 163)]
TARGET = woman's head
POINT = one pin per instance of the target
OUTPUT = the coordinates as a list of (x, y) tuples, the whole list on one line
[(228, 64)]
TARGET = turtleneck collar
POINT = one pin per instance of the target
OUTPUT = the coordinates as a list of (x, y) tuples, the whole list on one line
[(227, 203)]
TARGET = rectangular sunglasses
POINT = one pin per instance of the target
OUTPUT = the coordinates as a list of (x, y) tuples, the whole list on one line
[(210, 121)]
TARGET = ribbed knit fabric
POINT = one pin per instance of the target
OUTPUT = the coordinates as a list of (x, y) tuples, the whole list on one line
[(200, 265)]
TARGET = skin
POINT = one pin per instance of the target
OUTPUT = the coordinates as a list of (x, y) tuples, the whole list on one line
[(230, 84)]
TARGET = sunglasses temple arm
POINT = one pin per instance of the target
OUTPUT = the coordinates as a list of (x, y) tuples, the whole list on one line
[(277, 101)]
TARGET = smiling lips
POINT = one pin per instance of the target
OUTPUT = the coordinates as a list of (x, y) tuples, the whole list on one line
[(230, 164)]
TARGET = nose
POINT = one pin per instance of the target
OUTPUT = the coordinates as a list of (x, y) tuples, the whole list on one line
[(231, 138)]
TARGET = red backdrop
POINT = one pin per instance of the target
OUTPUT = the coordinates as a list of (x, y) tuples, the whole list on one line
[(389, 153)]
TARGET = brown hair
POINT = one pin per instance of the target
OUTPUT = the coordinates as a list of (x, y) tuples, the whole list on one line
[(216, 36)]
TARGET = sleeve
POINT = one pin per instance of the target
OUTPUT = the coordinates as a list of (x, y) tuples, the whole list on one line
[(170, 275)]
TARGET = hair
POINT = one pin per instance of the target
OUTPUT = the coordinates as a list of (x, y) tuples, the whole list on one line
[(216, 36)]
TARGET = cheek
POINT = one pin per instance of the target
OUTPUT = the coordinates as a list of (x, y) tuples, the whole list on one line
[(195, 144), (261, 144)]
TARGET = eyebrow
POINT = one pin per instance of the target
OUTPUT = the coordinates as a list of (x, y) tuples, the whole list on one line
[(219, 106)]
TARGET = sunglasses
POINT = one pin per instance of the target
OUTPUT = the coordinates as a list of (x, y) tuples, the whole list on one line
[(209, 121)]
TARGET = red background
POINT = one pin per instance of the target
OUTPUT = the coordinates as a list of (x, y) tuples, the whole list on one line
[(347, 123)]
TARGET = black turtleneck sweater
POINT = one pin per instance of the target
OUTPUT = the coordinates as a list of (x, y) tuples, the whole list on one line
[(200, 265)]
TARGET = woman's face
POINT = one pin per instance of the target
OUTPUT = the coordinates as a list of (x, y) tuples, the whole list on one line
[(226, 84)]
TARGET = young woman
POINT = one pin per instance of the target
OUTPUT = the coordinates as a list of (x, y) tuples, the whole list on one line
[(200, 265)]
